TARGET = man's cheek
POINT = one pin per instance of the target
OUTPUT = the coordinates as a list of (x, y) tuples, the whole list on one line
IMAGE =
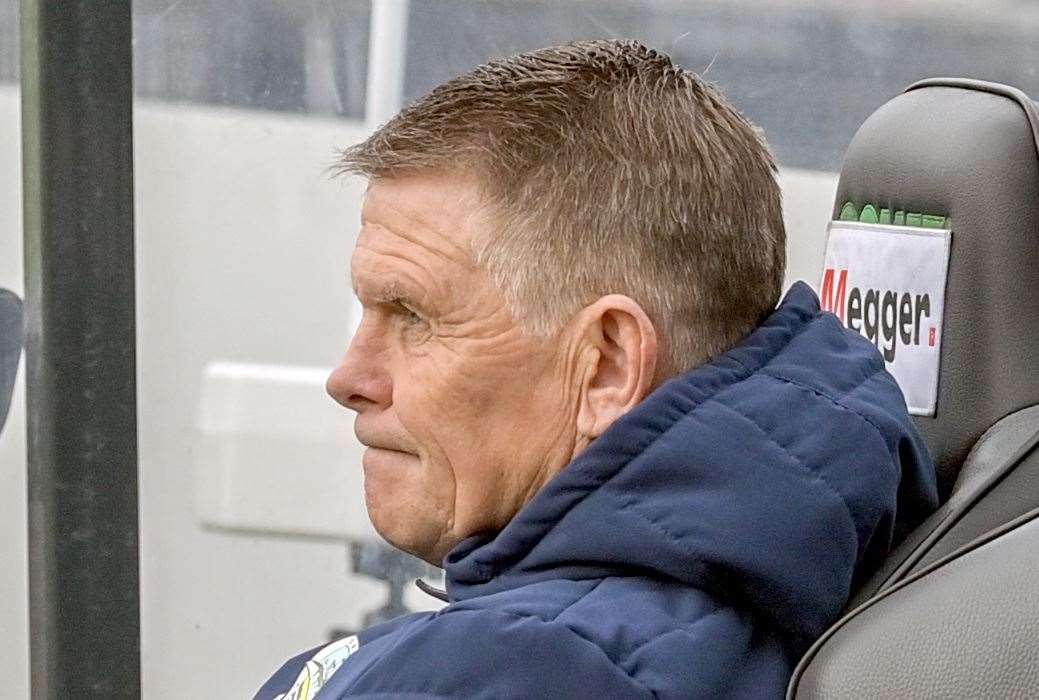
[(432, 417), (457, 386)]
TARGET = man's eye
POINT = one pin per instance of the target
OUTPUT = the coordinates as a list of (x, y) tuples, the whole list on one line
[(409, 315)]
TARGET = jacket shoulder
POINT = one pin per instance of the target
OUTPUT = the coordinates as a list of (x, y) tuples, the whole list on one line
[(489, 653), (624, 637)]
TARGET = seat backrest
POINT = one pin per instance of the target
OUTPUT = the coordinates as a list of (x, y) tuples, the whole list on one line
[(10, 347), (951, 611), (965, 150), (962, 628)]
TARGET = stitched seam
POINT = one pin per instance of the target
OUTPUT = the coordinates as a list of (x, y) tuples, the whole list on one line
[(485, 571), (571, 630), (799, 462), (835, 401), (844, 407), (802, 328), (855, 387), (640, 448), (578, 599), (398, 696), (643, 446), (685, 629), (630, 503), (642, 642), (747, 369), (399, 631)]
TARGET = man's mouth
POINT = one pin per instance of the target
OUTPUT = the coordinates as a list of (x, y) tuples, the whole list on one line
[(385, 445), (387, 449), (375, 439)]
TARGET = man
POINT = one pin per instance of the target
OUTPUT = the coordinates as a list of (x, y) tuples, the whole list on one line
[(578, 396)]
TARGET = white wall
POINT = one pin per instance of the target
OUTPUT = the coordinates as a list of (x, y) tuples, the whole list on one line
[(13, 592), (242, 246), (807, 206)]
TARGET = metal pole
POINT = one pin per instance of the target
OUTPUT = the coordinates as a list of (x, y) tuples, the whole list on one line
[(77, 153), (387, 45)]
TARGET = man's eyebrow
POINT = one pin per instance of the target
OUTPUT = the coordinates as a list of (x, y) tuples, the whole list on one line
[(385, 292), (389, 291)]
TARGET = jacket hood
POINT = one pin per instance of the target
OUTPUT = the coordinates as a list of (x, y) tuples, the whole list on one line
[(774, 477)]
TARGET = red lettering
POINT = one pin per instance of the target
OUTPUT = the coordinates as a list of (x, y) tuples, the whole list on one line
[(830, 301)]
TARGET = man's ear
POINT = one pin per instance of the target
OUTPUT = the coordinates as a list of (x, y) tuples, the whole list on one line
[(621, 365)]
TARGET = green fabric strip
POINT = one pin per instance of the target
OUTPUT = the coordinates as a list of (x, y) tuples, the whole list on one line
[(932, 221), (871, 215), (849, 213)]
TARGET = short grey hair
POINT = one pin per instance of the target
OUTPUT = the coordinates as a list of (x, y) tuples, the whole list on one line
[(605, 169)]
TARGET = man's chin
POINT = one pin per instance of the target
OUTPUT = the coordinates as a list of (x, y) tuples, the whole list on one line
[(396, 513), (402, 535)]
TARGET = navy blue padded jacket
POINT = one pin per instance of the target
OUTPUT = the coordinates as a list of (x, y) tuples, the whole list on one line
[(694, 550)]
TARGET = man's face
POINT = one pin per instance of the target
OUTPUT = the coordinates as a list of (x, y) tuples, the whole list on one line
[(465, 415)]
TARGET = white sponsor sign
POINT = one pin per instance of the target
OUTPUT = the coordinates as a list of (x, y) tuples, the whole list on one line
[(888, 283)]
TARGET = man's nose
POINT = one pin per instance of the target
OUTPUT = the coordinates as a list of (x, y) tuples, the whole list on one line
[(361, 381)]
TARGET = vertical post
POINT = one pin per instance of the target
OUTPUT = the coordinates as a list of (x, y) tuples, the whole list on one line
[(77, 102), (387, 45)]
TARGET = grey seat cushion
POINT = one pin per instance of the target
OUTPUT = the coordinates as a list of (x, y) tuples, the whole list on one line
[(965, 627)]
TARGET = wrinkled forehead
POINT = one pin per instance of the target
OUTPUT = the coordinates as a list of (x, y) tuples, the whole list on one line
[(425, 220), (434, 209)]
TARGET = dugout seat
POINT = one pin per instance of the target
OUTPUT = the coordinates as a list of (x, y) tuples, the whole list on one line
[(951, 612)]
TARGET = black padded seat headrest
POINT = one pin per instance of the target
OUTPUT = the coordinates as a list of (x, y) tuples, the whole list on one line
[(967, 150)]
